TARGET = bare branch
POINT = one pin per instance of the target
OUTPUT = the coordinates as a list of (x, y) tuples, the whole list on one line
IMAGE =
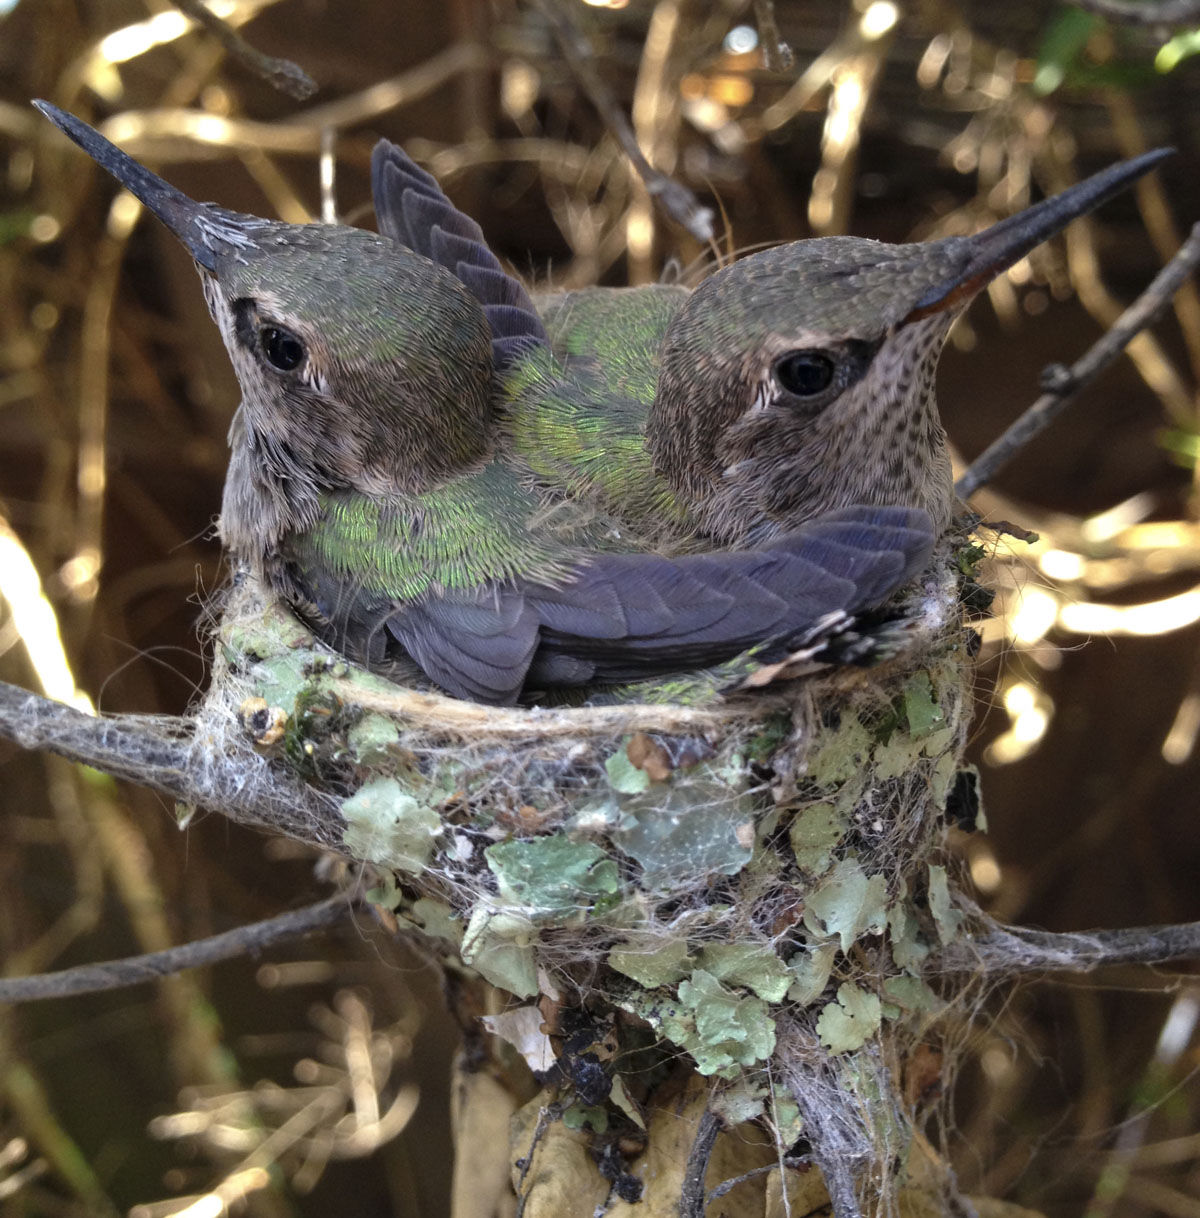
[(1063, 385), (164, 753), (680, 204), (285, 75), (1009, 950), (691, 1199), (133, 970)]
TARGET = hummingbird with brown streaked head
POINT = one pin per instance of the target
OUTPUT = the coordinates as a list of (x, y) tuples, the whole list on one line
[(794, 381), (365, 487)]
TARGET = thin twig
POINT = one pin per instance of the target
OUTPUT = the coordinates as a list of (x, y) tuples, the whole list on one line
[(1009, 950), (777, 55), (163, 753), (679, 203), (1144, 12), (691, 1196), (1066, 383), (133, 970), (727, 1186), (285, 75)]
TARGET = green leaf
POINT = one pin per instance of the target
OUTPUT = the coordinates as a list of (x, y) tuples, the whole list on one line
[(1062, 45), (388, 826), (552, 876), (851, 1021), (1175, 50)]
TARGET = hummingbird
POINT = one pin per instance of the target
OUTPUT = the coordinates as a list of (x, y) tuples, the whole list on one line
[(795, 380), (368, 490)]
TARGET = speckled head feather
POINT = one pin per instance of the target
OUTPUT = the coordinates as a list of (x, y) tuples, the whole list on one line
[(802, 378)]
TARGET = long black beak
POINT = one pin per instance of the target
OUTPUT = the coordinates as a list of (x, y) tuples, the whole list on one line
[(207, 231), (997, 248)]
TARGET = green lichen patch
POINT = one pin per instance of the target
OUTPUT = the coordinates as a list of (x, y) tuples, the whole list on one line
[(372, 739), (388, 825), (810, 970), (948, 920), (851, 1021), (847, 904), (552, 878), (652, 966), (751, 965), (719, 1027), (815, 833)]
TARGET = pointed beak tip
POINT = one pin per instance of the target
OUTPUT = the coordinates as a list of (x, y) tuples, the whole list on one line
[(170, 205), (1000, 246), (66, 123)]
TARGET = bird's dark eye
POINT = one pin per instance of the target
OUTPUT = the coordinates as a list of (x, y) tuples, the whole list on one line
[(805, 373), (281, 347)]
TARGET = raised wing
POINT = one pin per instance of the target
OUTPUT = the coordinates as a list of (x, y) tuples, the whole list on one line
[(412, 209)]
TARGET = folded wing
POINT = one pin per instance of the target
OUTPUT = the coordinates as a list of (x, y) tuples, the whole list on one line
[(624, 617)]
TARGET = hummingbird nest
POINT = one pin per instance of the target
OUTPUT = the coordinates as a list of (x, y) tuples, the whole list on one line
[(755, 880)]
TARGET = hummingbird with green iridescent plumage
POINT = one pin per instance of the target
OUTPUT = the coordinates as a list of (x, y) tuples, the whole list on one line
[(793, 381), (367, 489)]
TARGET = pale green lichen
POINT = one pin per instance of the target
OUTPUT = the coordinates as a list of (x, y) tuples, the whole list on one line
[(651, 967), (751, 965), (851, 1021), (553, 878), (847, 903), (385, 824), (719, 1027), (498, 944)]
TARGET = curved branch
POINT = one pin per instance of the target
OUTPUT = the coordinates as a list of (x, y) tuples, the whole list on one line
[(168, 754), (1009, 950)]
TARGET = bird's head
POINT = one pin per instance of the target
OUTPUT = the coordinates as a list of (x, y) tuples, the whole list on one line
[(801, 378), (363, 366)]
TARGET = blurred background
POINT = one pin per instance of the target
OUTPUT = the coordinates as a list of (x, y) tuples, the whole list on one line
[(285, 1085)]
